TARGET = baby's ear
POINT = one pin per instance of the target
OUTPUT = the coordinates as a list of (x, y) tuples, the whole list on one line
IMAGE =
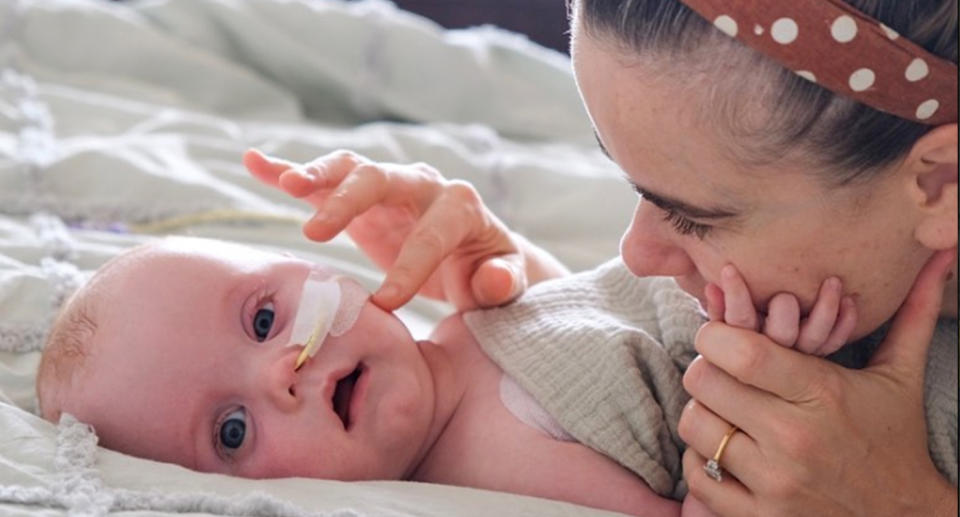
[(932, 183)]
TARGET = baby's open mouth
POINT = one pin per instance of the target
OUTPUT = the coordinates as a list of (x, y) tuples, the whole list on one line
[(343, 393)]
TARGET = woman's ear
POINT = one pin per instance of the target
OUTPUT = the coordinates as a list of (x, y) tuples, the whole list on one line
[(931, 171)]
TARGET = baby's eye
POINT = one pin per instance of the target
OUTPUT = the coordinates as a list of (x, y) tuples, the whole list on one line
[(263, 322), (233, 429)]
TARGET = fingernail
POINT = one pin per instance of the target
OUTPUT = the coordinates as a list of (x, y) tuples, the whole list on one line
[(305, 174), (833, 283), (729, 272), (320, 218), (518, 283), (314, 172)]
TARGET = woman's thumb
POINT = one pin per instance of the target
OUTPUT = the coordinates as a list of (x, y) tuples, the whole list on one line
[(906, 344), (499, 280)]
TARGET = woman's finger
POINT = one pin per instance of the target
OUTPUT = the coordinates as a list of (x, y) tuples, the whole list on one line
[(266, 168), (782, 323), (702, 430), (757, 361), (816, 328), (905, 346), (715, 304), (321, 175), (846, 322), (735, 402), (364, 187), (499, 280), (738, 305), (298, 182), (447, 223), (727, 497)]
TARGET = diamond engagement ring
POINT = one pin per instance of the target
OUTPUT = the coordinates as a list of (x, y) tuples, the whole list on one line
[(712, 467)]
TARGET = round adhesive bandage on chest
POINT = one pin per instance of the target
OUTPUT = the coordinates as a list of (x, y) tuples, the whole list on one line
[(329, 305)]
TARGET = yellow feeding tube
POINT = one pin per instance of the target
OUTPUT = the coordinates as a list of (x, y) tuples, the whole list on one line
[(319, 301), (329, 305)]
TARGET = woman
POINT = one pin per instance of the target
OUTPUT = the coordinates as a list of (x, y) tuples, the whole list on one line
[(743, 155)]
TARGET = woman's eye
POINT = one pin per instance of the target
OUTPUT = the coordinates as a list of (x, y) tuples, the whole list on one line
[(233, 430), (263, 322), (685, 226)]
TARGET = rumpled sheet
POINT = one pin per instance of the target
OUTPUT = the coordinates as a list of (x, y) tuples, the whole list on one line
[(119, 122)]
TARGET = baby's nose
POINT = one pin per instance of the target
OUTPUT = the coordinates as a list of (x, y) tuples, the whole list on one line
[(282, 381)]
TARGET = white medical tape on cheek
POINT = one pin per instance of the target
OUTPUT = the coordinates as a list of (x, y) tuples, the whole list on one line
[(319, 301), (352, 299), (328, 305)]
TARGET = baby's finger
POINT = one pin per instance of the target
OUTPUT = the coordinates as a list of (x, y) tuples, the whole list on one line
[(846, 322), (715, 306), (782, 324), (823, 316), (739, 310)]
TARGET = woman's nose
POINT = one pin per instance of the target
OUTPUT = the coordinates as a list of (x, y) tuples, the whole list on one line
[(280, 380), (650, 247)]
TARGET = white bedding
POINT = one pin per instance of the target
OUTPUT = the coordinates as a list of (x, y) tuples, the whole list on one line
[(121, 122)]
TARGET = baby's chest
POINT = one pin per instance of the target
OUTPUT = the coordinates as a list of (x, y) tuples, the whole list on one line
[(498, 430)]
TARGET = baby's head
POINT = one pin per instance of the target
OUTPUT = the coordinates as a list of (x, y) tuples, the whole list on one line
[(177, 351)]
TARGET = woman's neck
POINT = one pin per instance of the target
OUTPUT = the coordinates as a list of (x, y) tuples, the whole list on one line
[(949, 307)]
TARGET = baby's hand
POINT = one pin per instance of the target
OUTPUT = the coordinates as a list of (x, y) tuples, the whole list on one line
[(431, 235), (822, 332)]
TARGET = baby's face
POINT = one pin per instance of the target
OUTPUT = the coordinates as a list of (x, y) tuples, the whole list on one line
[(190, 365)]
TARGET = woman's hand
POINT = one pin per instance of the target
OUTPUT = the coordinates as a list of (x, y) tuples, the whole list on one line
[(816, 438), (431, 235)]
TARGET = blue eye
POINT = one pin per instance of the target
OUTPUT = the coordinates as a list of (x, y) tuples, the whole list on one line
[(263, 322), (233, 429)]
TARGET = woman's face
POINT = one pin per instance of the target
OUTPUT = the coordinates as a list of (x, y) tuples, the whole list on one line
[(700, 209)]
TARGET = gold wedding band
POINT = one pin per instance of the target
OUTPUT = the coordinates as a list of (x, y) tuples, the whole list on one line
[(712, 467)]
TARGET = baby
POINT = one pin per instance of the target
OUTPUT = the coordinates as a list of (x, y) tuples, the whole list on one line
[(180, 351), (189, 351)]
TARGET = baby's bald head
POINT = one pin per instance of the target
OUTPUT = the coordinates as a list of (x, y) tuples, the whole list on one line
[(74, 333)]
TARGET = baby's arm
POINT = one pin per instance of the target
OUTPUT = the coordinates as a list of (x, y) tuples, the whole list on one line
[(573, 472)]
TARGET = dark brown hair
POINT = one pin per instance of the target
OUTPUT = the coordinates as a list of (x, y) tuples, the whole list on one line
[(848, 139)]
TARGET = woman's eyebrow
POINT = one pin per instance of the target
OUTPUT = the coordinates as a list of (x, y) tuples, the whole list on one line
[(667, 203), (675, 205)]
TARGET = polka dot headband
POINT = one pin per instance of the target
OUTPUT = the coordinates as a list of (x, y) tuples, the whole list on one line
[(832, 44)]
